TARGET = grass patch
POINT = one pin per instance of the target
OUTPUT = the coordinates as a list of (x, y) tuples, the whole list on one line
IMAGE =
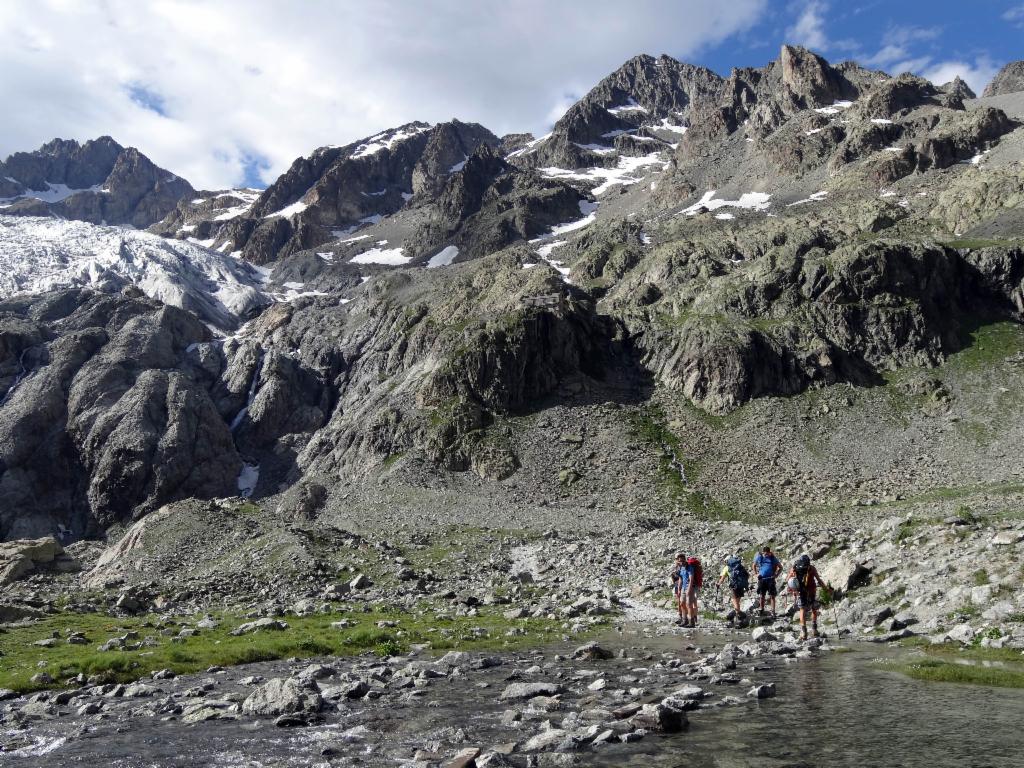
[(980, 577), (952, 663), (989, 345), (306, 637), (676, 473)]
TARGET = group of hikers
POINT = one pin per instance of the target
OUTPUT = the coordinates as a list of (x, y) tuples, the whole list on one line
[(802, 584)]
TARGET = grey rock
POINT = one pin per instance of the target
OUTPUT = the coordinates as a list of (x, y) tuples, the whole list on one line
[(283, 697), (522, 691)]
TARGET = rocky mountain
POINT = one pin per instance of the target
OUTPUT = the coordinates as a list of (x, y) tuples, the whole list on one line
[(336, 190), (100, 182), (537, 329), (1009, 79)]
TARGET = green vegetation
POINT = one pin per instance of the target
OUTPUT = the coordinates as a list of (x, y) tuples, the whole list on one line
[(951, 663), (980, 577), (305, 637), (676, 472), (989, 345)]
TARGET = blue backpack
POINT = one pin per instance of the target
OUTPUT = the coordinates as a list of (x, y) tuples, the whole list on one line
[(739, 578)]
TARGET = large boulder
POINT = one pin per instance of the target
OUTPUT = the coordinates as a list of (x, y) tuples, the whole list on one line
[(283, 697), (22, 557), (843, 572)]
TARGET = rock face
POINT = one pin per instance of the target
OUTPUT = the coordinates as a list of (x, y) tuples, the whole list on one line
[(118, 404), (489, 204), (103, 414), (1010, 79), (99, 182)]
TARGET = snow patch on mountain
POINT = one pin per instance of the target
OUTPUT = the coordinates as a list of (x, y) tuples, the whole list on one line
[(41, 254), (53, 193), (387, 140), (394, 257), (754, 201), (443, 258), (624, 174)]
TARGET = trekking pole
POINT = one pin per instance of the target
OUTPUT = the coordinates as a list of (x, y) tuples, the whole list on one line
[(835, 611)]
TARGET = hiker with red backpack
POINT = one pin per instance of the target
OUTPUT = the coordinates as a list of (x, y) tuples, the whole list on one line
[(804, 582)]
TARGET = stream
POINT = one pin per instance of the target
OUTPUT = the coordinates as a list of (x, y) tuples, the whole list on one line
[(831, 709)]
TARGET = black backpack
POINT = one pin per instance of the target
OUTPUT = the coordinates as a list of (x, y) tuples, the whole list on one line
[(739, 577), (802, 568)]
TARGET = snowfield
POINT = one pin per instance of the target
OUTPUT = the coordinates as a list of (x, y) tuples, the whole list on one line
[(42, 254)]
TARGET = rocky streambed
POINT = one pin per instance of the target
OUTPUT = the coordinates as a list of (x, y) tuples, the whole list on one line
[(641, 694), (557, 705)]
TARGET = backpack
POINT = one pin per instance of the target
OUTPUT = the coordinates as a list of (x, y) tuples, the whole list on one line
[(698, 572), (802, 568), (739, 577)]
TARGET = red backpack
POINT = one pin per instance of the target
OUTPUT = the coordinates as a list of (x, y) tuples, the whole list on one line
[(698, 571)]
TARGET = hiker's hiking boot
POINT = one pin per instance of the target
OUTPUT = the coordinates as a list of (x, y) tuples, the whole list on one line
[(803, 635), (814, 631)]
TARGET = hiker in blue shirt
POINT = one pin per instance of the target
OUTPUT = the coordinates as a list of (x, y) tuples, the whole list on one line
[(767, 567)]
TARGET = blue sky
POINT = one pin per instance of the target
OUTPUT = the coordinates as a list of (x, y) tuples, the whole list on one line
[(230, 92)]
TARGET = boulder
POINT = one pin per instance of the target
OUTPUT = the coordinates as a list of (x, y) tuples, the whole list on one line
[(763, 635), (660, 717), (283, 697), (843, 572), (592, 652), (766, 691), (523, 691), (265, 624), (23, 556)]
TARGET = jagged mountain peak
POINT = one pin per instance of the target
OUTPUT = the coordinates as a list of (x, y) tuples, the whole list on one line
[(98, 181)]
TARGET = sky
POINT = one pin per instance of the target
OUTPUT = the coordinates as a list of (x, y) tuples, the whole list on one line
[(230, 92)]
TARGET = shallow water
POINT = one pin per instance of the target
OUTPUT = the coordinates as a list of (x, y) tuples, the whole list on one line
[(835, 710), (839, 710)]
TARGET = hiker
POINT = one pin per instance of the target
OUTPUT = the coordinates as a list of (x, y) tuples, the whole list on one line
[(677, 585), (804, 580), (767, 567), (692, 580), (738, 579)]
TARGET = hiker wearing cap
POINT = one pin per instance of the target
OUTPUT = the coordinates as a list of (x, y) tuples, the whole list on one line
[(767, 567), (804, 580), (677, 586), (738, 579)]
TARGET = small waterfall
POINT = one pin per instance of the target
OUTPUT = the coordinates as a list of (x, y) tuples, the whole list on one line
[(236, 422)]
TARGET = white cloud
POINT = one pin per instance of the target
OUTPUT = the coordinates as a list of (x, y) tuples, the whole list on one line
[(977, 75), (809, 28), (244, 79), (1015, 15)]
